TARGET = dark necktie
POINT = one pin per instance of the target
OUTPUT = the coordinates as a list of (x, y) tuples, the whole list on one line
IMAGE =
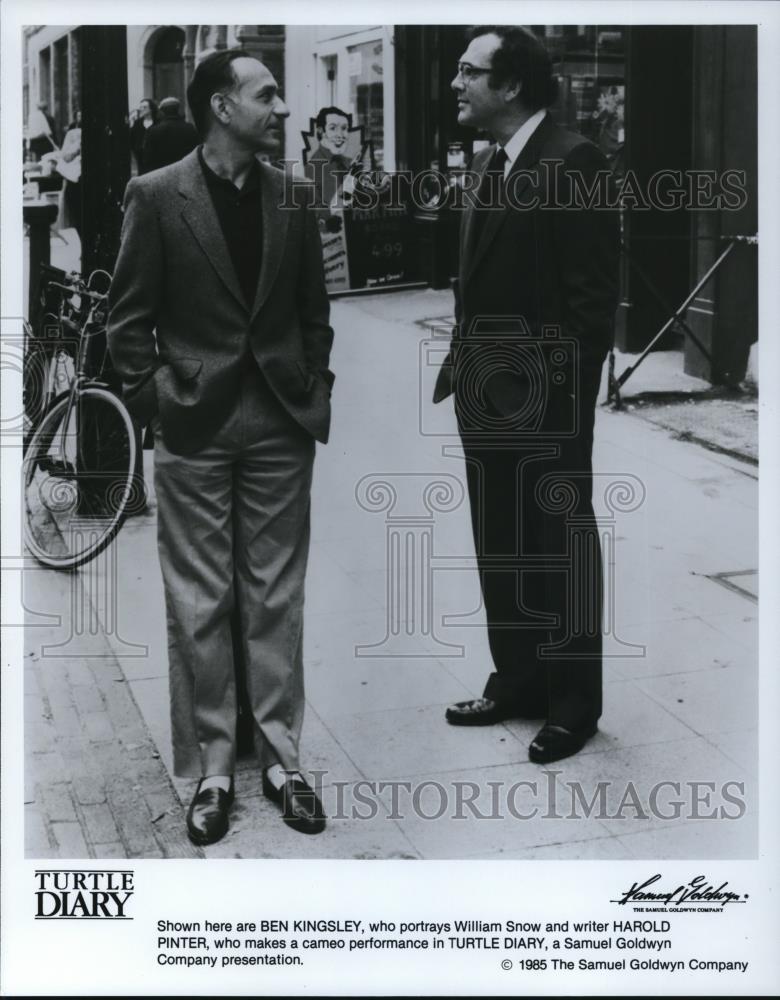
[(490, 192), (498, 160)]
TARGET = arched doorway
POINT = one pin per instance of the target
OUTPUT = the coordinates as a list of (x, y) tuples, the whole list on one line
[(168, 64)]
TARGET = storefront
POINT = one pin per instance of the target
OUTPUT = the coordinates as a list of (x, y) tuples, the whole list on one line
[(341, 89), (51, 73), (590, 64), (653, 98), (351, 67)]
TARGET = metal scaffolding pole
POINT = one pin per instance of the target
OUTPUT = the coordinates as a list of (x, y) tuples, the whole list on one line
[(616, 383)]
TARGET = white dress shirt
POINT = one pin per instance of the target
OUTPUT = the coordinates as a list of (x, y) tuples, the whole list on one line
[(518, 141)]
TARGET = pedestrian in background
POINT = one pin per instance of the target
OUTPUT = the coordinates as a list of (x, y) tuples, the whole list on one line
[(170, 139), (145, 119), (69, 167), (41, 131)]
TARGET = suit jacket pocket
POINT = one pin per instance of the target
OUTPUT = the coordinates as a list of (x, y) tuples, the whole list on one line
[(288, 377), (178, 387), (307, 376), (328, 378), (323, 376), (142, 403), (186, 368)]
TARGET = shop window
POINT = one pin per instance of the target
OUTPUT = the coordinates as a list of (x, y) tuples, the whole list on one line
[(61, 108), (329, 66), (590, 62), (44, 90), (366, 92)]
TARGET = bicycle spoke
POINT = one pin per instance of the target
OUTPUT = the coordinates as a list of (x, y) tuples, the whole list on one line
[(77, 484)]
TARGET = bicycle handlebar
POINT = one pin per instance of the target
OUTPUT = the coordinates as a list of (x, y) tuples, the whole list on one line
[(80, 289)]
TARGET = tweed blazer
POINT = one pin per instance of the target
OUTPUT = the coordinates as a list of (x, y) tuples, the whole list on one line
[(180, 331)]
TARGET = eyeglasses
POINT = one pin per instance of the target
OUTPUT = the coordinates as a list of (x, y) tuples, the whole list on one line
[(468, 72)]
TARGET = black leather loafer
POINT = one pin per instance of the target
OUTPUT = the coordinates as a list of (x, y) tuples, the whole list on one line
[(477, 712), (554, 743), (207, 817), (301, 809), (486, 712)]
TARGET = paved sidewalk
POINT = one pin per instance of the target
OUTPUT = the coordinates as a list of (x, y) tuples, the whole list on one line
[(685, 711)]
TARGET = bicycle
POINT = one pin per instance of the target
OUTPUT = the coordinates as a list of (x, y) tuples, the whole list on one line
[(79, 464), (49, 347)]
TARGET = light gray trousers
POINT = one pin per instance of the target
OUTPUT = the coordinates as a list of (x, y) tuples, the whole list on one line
[(233, 530)]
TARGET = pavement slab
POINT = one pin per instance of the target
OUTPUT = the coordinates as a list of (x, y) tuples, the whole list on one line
[(696, 840), (687, 644), (642, 785), (713, 701), (503, 809)]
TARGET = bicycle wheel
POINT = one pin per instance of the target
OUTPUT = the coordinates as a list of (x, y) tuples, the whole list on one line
[(79, 480), (34, 386)]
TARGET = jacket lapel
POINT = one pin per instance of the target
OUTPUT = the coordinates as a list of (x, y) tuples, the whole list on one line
[(529, 157), (275, 222), (468, 224), (200, 216)]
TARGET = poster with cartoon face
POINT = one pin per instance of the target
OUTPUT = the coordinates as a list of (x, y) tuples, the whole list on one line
[(333, 150)]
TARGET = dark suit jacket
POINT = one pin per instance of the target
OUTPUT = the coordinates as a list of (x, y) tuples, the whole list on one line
[(180, 331), (550, 266), (167, 142)]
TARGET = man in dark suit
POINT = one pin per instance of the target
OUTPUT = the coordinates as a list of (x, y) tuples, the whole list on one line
[(219, 327), (535, 302), (170, 139)]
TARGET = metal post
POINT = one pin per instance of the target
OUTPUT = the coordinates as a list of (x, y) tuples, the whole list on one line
[(105, 142), (615, 384), (675, 316), (39, 218)]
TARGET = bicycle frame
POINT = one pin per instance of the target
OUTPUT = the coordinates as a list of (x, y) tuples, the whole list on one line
[(81, 379)]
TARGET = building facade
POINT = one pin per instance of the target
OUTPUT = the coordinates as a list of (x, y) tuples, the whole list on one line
[(654, 98), (160, 60)]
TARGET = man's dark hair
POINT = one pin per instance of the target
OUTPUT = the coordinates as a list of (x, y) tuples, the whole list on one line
[(521, 58), (322, 116), (212, 74)]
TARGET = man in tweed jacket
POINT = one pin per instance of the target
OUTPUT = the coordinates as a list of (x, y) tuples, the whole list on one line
[(219, 327)]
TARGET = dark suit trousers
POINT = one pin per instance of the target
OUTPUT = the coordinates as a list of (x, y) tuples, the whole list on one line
[(539, 561), (233, 536)]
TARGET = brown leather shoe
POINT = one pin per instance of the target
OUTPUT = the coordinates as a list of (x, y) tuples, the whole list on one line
[(207, 817), (301, 809)]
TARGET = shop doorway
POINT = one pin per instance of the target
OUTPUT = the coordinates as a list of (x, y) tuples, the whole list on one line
[(168, 64)]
